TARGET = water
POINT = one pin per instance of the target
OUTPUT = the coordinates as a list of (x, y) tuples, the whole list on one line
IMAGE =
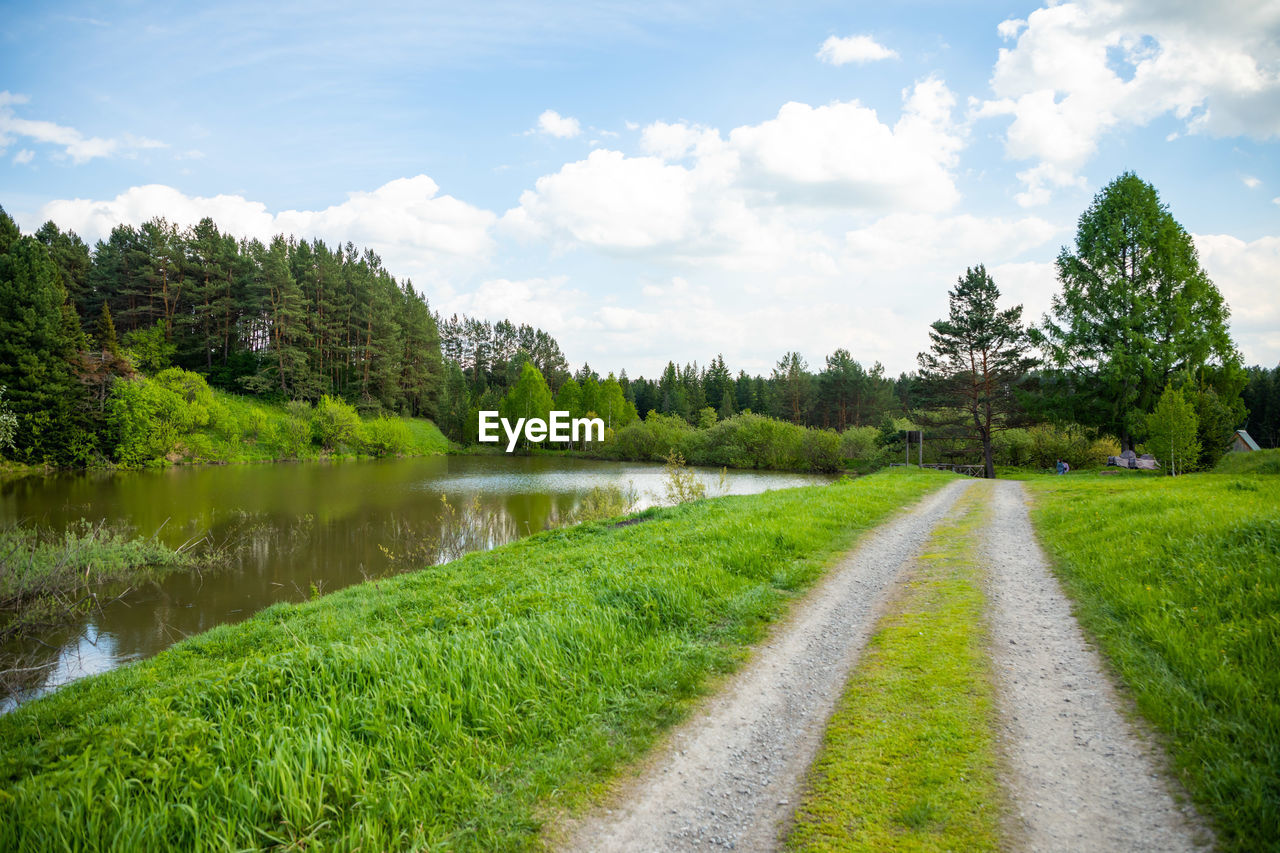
[(293, 531)]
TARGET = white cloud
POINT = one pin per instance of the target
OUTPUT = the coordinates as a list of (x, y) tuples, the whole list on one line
[(546, 303), (1246, 273), (23, 157), (858, 49), (1079, 70), (843, 154), (552, 123), (74, 144), (1251, 182), (418, 232)]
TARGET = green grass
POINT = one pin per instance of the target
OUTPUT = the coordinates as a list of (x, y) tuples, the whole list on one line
[(48, 577), (451, 708), (1179, 581), (1253, 462), (909, 761)]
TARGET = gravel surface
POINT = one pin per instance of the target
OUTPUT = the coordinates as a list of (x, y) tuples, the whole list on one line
[(1082, 777), (729, 777)]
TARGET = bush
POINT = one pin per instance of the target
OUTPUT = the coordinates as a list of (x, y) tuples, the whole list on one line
[(335, 423), (860, 443), (1077, 446), (820, 449), (384, 437), (147, 421)]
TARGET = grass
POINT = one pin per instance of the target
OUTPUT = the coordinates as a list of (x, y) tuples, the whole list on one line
[(1179, 581), (48, 577), (909, 761), (1253, 462), (452, 708)]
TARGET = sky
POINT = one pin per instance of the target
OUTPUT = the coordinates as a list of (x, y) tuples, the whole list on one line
[(665, 181)]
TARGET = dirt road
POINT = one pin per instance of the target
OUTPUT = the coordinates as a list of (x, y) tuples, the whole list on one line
[(1080, 777)]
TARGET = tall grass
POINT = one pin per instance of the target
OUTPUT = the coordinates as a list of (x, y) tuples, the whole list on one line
[(48, 577), (1179, 580), (1254, 462), (452, 708)]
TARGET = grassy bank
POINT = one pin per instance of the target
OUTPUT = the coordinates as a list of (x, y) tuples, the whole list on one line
[(49, 577), (1179, 581), (176, 418), (451, 708), (908, 761)]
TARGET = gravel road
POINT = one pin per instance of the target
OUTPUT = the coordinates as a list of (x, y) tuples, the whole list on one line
[(1079, 775), (1082, 777), (729, 777)]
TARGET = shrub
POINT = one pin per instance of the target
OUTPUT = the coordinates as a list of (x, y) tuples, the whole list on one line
[(384, 437), (147, 420), (820, 449), (336, 423), (860, 442), (1079, 447)]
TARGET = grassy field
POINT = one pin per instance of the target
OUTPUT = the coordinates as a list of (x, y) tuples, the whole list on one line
[(1179, 581), (909, 761), (452, 708)]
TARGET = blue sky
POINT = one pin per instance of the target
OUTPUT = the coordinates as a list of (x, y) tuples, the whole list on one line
[(651, 182)]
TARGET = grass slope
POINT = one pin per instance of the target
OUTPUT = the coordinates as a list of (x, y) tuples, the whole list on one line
[(450, 708), (1179, 580), (1254, 462), (909, 760)]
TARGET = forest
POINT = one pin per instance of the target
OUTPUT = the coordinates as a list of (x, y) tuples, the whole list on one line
[(93, 338)]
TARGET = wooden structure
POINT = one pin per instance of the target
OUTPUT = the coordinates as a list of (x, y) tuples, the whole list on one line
[(1242, 442)]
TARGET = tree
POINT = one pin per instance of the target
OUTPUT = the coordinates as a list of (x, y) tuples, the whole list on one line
[(530, 397), (978, 357), (1135, 309), (38, 345), (1171, 432)]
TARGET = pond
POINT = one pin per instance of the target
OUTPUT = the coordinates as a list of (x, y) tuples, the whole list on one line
[(293, 531)]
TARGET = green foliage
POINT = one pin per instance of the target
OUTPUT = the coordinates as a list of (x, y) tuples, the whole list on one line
[(384, 437), (706, 417), (1178, 579), (8, 424), (450, 708), (336, 424), (39, 339), (147, 421), (862, 443), (923, 774), (1135, 309), (149, 348), (1171, 433), (1077, 446)]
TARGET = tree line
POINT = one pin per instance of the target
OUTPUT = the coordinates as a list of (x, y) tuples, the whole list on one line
[(294, 319)]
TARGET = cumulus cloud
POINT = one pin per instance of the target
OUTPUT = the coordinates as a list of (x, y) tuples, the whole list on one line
[(1079, 70), (842, 153), (23, 157), (857, 49), (748, 199), (74, 144), (407, 221), (551, 123), (1251, 182), (1245, 272)]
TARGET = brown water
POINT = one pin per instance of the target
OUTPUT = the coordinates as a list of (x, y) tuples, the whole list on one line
[(296, 530)]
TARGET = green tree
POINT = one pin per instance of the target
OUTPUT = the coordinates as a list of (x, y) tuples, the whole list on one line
[(1171, 433), (1135, 309), (38, 346), (977, 359), (530, 397)]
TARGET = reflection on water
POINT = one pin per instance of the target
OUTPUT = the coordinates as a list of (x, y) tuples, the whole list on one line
[(293, 531)]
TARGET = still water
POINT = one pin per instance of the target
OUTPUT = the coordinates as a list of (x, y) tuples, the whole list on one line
[(292, 531)]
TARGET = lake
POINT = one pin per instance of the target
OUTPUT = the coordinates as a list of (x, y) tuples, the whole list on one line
[(292, 531)]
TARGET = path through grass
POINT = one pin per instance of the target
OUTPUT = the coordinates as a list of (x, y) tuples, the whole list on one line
[(1179, 581), (909, 761)]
